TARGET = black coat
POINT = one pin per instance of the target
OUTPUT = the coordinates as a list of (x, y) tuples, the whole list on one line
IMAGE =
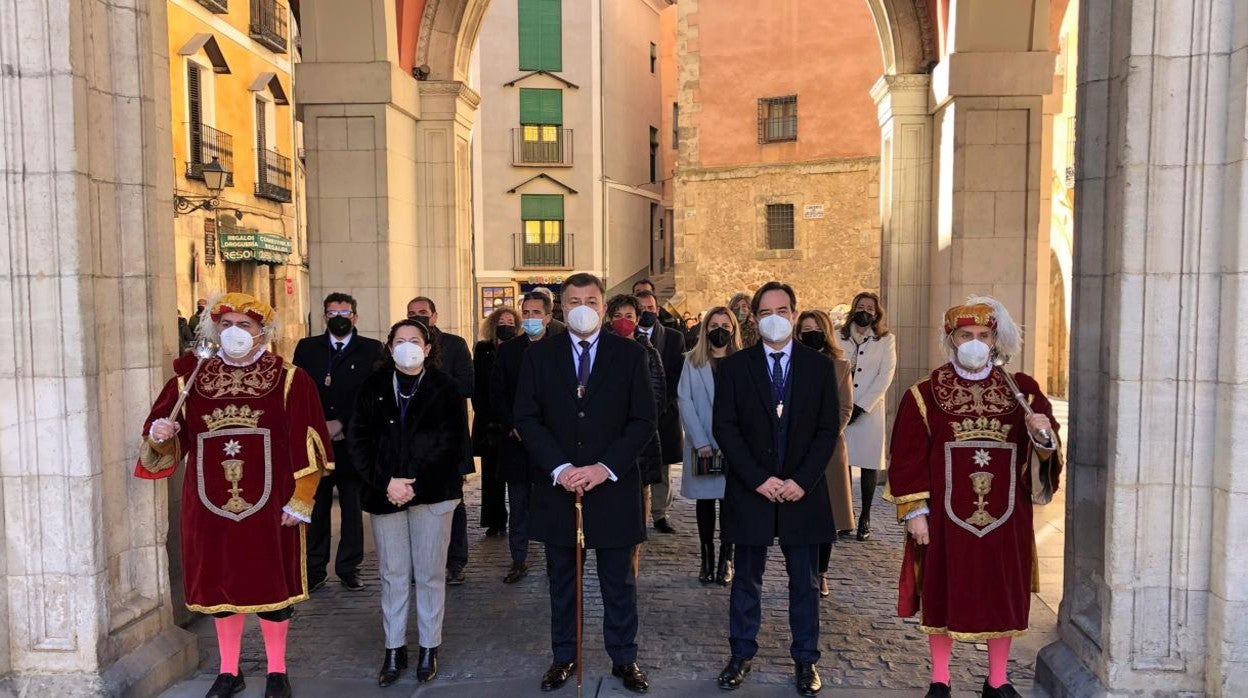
[(513, 459), (485, 426), (609, 425), (427, 447), (671, 346), (455, 361), (350, 371), (744, 425), (650, 460)]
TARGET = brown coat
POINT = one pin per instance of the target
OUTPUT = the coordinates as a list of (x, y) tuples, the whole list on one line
[(838, 468)]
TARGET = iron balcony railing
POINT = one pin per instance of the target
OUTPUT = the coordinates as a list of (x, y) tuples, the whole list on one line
[(541, 145), (217, 7), (543, 255), (210, 143), (273, 177), (268, 24)]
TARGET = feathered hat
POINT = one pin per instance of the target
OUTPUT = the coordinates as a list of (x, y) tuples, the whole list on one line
[(987, 311)]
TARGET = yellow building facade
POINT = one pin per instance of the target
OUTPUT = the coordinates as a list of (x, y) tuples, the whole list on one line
[(230, 66)]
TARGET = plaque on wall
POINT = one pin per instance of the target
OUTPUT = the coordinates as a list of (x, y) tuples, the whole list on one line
[(210, 242)]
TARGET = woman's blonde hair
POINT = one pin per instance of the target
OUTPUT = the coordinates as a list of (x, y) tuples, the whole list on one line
[(830, 345), (489, 326), (701, 352)]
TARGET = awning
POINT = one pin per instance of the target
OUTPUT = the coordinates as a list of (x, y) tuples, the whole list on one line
[(253, 246), (211, 48), (273, 84)]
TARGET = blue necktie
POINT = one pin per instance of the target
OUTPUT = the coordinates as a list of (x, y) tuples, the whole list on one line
[(582, 366), (777, 375)]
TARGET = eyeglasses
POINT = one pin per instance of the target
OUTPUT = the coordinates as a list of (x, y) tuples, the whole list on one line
[(339, 313)]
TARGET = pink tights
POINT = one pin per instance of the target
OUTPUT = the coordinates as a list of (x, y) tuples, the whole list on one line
[(941, 647)]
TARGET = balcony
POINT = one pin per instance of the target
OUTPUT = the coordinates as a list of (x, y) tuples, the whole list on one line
[(543, 255), (217, 7), (273, 177), (268, 24), (207, 144), (548, 146)]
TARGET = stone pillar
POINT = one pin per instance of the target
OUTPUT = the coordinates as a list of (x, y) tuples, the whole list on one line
[(1155, 591), (87, 301), (444, 201), (905, 221), (988, 174)]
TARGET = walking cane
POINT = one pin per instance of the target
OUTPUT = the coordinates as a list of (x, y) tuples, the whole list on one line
[(580, 592), (203, 351), (1000, 362), (1041, 479)]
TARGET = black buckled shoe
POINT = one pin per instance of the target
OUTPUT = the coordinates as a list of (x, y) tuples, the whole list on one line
[(632, 676), (806, 679), (733, 675), (938, 690), (706, 574), (226, 685), (1005, 690), (427, 664), (519, 570), (723, 572), (557, 675), (352, 581), (276, 685), (392, 666)]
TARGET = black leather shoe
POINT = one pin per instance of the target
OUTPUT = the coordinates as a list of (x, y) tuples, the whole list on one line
[(226, 685), (493, 531), (454, 577), (557, 675), (723, 573), (664, 526), (1005, 690), (632, 676), (806, 678), (427, 664), (864, 533), (734, 674), (845, 533), (706, 575), (277, 685), (352, 581), (314, 584), (519, 570), (938, 690), (392, 666)]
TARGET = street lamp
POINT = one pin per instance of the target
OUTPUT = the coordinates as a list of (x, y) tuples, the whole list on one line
[(215, 177)]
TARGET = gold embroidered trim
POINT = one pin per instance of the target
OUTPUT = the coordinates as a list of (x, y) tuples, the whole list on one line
[(316, 454), (972, 637), (290, 380), (182, 387), (903, 510), (306, 471), (888, 496), (957, 397), (303, 573), (921, 404), (156, 457), (218, 380), (300, 508)]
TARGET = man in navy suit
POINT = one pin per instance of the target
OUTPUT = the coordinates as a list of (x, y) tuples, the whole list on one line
[(776, 419), (584, 411)]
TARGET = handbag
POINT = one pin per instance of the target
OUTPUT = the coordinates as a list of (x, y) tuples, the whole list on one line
[(708, 465)]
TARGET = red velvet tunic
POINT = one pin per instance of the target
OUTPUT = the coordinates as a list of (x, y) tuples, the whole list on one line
[(961, 447), (254, 440)]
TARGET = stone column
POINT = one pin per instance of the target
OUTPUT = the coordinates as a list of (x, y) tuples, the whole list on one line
[(87, 302), (988, 174), (444, 201), (905, 221), (1156, 594)]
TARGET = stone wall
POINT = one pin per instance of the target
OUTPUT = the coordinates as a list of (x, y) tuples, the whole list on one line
[(721, 231)]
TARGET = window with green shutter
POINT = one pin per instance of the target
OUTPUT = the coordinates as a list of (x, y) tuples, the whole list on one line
[(541, 35), (538, 106), (542, 218)]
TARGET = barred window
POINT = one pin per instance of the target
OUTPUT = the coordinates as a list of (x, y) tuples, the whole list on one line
[(780, 226), (777, 119)]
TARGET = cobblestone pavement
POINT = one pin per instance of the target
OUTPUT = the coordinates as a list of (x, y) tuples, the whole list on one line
[(496, 632)]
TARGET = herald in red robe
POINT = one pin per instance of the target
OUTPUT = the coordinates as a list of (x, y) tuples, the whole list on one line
[(254, 440), (961, 448)]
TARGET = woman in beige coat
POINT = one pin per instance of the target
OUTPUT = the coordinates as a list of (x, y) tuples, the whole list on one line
[(815, 331)]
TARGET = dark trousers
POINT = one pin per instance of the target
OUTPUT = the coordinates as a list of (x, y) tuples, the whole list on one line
[(351, 535), (745, 610), (518, 519), (493, 492), (457, 550), (618, 586)]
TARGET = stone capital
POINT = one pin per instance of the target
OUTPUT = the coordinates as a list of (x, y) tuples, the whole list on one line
[(901, 95)]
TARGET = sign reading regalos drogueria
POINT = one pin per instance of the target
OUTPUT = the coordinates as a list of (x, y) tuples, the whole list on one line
[(253, 246)]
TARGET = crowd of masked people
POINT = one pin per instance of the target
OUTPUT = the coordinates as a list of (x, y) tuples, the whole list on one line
[(629, 394)]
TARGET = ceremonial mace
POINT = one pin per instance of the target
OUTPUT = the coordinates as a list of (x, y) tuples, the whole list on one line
[(1000, 362), (580, 592), (203, 351)]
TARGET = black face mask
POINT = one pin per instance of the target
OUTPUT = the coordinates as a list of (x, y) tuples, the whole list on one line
[(647, 319), (814, 339), (719, 337), (504, 332), (339, 326), (863, 319)]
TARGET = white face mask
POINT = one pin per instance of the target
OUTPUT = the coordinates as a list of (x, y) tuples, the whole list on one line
[(409, 356), (774, 328), (236, 342), (973, 355), (583, 319)]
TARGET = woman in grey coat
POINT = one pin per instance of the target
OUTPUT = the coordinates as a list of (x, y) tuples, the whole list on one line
[(719, 336)]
